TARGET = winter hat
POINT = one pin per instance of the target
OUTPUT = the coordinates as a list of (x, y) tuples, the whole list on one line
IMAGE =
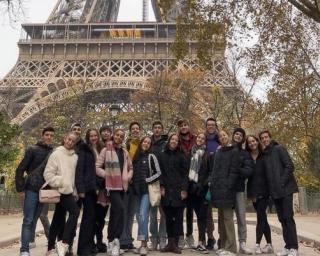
[(105, 127), (242, 131)]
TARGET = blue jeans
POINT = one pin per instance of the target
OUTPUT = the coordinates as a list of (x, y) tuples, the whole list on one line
[(143, 206), (157, 231), (130, 206), (31, 212)]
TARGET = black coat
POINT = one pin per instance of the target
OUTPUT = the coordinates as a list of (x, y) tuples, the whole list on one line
[(224, 176), (141, 172), (257, 184), (85, 178), (245, 168), (174, 177), (159, 145), (279, 171), (34, 157)]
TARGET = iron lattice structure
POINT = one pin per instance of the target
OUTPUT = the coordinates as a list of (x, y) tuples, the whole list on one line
[(79, 42)]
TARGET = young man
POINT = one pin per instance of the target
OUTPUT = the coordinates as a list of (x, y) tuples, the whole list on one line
[(187, 140), (282, 185), (246, 169), (158, 235), (35, 157), (211, 147), (130, 200)]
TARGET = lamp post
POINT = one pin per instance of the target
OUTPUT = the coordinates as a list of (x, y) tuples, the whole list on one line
[(114, 110)]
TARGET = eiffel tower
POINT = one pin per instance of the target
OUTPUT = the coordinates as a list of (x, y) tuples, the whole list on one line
[(83, 40)]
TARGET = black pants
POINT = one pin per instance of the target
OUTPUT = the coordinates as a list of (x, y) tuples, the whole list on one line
[(101, 213), (284, 207), (86, 232), (67, 204), (189, 217), (200, 206), (174, 220), (115, 226), (262, 227)]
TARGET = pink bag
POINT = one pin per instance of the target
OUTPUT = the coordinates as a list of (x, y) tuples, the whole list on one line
[(48, 195)]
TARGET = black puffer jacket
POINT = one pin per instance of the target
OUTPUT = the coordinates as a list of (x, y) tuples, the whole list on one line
[(279, 171), (85, 178), (33, 158), (257, 184), (245, 168), (224, 176), (174, 178)]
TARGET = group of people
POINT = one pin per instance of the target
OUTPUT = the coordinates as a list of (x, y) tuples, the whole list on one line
[(196, 174)]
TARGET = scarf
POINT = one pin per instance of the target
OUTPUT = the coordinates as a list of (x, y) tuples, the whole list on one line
[(196, 152)]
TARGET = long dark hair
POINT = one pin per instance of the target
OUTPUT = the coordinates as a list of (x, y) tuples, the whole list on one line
[(247, 143), (167, 147), (139, 149), (87, 139)]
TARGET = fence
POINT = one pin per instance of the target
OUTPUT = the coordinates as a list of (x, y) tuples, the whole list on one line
[(313, 201), (9, 203)]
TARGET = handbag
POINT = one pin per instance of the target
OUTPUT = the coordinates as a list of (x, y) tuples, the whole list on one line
[(154, 187), (49, 195)]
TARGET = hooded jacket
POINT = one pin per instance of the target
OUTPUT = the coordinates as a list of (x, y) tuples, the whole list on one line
[(33, 158), (279, 171), (60, 170), (159, 145)]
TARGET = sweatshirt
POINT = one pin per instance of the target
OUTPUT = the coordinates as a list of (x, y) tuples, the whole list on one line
[(60, 170)]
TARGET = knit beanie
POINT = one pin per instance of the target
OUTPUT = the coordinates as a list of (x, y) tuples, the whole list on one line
[(242, 131)]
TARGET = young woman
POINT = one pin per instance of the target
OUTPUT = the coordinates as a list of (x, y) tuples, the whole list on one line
[(145, 170), (115, 166), (60, 173), (198, 187), (86, 185), (257, 191), (223, 178), (174, 186)]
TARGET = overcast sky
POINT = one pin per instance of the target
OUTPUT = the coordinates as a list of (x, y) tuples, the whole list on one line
[(38, 11)]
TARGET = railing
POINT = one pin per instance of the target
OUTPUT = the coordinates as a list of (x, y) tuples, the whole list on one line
[(9, 203), (313, 201)]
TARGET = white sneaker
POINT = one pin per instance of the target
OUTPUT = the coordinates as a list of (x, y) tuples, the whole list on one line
[(244, 250), (258, 249), (284, 252), (32, 245), (51, 253), (24, 254), (109, 248), (225, 253), (162, 243), (181, 243), (190, 242), (62, 248), (293, 252), (116, 248), (267, 249), (143, 251)]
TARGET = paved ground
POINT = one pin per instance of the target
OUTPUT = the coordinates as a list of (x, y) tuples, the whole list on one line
[(308, 225)]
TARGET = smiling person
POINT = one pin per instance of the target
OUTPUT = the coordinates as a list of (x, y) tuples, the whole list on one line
[(60, 173), (174, 186), (130, 202), (198, 187), (86, 185), (114, 165), (145, 170), (282, 184), (34, 157), (223, 180), (245, 171), (257, 191), (158, 230)]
